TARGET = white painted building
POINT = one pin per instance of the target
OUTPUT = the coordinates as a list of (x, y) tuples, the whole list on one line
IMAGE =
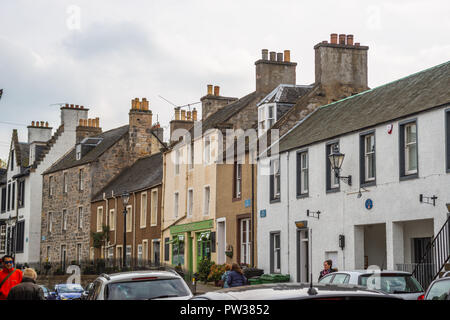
[(21, 191), (396, 144)]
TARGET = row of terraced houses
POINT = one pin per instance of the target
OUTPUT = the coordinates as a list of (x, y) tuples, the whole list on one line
[(249, 180)]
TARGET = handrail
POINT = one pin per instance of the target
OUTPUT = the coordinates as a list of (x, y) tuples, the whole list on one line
[(436, 255)]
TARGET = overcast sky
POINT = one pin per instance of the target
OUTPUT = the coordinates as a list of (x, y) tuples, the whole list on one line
[(101, 54)]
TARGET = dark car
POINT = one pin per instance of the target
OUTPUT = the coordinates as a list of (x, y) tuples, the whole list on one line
[(296, 291), (439, 289), (67, 292)]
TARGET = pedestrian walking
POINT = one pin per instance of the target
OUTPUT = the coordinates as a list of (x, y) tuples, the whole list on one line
[(27, 289), (224, 278), (9, 276), (236, 277), (327, 268)]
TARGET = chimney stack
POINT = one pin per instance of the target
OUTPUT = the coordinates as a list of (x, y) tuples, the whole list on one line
[(39, 131), (71, 115), (213, 101)]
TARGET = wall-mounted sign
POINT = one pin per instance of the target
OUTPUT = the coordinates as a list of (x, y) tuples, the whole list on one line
[(369, 204), (389, 128), (301, 224), (43, 238), (248, 203), (262, 213)]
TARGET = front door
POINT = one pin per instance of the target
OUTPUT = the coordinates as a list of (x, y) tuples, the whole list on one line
[(221, 240), (203, 246), (156, 253), (420, 247), (302, 256), (245, 238)]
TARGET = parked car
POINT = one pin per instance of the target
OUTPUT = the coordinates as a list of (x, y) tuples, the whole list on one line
[(88, 288), (296, 291), (439, 289), (397, 283), (46, 291), (140, 285), (66, 292)]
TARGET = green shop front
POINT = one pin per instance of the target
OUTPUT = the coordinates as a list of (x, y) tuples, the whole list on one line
[(193, 242)]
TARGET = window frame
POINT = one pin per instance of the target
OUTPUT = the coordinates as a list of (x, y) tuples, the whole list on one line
[(191, 156), (176, 204), (80, 218), (129, 218), (301, 193), (248, 240), (207, 150), (65, 182), (154, 208), (403, 174), (190, 203), (112, 219), (49, 222), (80, 180), (64, 220), (177, 161), (363, 160), (447, 140), (207, 212), (274, 197), (99, 219), (330, 188), (143, 212), (237, 181), (273, 250)]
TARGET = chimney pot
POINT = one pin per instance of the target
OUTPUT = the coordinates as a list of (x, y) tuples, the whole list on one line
[(42, 123), (265, 54), (183, 114), (287, 56), (324, 41), (177, 113), (77, 106), (194, 114), (67, 105), (81, 107), (280, 57), (80, 123), (46, 124), (272, 55), (133, 104), (210, 88), (188, 117), (333, 38), (342, 39), (71, 106), (357, 44), (90, 122), (97, 122), (216, 90), (32, 123), (349, 39)]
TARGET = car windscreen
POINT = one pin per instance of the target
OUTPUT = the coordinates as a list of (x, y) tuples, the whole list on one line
[(439, 291), (70, 289), (145, 290), (391, 283)]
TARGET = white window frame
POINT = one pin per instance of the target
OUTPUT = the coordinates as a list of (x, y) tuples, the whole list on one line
[(65, 182), (139, 254), (80, 218), (112, 219), (145, 249), (304, 172), (190, 209), (50, 185), (154, 208), (176, 204), (128, 254), (99, 219), (367, 155), (129, 218), (246, 244), (177, 161), (79, 251), (271, 120), (238, 181), (143, 215), (206, 200), (276, 178), (49, 222), (64, 220), (334, 181), (80, 180), (261, 119), (78, 151), (119, 254), (276, 253), (408, 145), (3, 238)]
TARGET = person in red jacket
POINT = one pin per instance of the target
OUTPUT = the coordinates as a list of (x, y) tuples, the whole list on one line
[(9, 276)]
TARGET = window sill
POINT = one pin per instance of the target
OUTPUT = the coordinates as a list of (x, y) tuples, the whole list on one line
[(368, 184), (409, 177), (334, 190), (143, 227), (236, 199), (303, 195), (275, 200)]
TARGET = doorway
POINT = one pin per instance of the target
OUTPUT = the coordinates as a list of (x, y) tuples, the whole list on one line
[(203, 246), (303, 255), (156, 252), (221, 241)]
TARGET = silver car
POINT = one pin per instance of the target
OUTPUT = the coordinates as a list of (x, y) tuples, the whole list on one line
[(398, 283), (439, 289), (140, 285)]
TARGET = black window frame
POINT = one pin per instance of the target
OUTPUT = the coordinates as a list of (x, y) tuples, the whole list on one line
[(272, 180), (4, 200), (362, 159), (13, 198), (8, 208), (20, 235), (21, 193), (12, 160), (329, 172), (166, 249), (299, 174), (401, 148)]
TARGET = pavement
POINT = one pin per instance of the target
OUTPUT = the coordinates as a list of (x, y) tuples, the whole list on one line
[(202, 288)]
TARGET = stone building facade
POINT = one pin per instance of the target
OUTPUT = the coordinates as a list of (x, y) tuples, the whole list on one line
[(71, 182)]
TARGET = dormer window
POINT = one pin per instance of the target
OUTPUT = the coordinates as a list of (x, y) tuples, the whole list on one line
[(78, 152), (266, 117)]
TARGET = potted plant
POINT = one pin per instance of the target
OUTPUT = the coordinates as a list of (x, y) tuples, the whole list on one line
[(216, 273), (229, 251)]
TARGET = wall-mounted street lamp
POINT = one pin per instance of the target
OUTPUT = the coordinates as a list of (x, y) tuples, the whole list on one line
[(424, 199), (313, 214), (125, 199), (336, 158)]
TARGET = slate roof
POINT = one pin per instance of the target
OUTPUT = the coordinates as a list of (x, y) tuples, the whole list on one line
[(415, 93), (145, 173), (109, 139), (285, 93), (24, 154)]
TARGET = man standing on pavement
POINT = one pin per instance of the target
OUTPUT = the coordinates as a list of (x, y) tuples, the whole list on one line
[(28, 289), (9, 276)]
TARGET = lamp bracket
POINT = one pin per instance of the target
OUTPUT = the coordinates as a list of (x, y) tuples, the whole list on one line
[(313, 214), (428, 200)]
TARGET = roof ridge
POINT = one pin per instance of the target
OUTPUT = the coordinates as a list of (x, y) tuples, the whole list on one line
[(385, 84)]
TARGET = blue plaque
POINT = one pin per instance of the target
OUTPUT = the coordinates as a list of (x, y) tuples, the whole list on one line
[(262, 213), (369, 204), (248, 203)]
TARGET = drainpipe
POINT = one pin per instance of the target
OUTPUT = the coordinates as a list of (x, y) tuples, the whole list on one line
[(134, 226), (107, 224), (253, 214), (287, 194)]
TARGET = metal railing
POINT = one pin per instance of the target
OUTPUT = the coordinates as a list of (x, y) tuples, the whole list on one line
[(435, 257)]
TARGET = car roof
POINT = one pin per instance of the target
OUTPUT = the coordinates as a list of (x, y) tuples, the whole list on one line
[(138, 274), (284, 291), (360, 272)]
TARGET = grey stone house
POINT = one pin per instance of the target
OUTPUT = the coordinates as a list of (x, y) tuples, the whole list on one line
[(69, 185)]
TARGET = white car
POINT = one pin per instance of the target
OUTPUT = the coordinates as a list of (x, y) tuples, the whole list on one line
[(140, 285), (398, 283)]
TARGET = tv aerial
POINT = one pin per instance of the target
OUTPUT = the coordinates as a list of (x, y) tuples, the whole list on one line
[(188, 105)]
